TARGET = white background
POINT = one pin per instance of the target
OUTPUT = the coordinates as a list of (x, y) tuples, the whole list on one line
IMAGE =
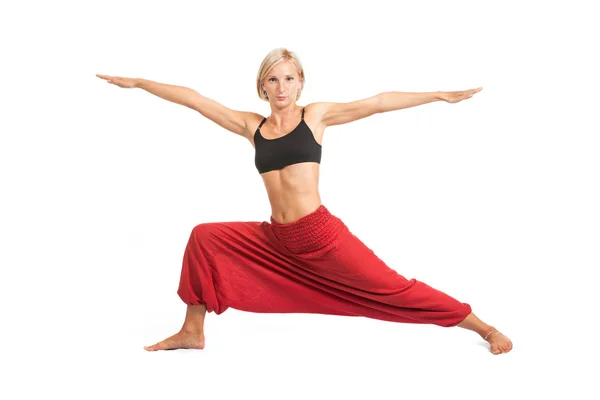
[(493, 200)]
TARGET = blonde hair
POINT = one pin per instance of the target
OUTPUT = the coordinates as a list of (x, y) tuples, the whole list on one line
[(275, 57)]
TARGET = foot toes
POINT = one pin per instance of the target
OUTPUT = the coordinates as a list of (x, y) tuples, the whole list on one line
[(154, 347)]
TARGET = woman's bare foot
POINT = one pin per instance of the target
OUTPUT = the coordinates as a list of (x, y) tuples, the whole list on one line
[(181, 340), (191, 335), (499, 344)]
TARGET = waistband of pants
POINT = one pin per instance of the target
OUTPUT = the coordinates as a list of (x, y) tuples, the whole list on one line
[(314, 232)]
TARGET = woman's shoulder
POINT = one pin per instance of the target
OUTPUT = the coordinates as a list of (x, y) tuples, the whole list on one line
[(316, 110), (253, 120)]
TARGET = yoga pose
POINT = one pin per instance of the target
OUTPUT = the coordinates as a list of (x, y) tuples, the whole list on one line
[(305, 260)]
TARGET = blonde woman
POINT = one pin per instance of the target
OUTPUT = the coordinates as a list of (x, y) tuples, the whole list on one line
[(305, 260)]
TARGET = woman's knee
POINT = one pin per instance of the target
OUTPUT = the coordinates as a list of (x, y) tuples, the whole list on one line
[(204, 231)]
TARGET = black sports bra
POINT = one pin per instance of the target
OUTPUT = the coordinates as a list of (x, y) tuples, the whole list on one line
[(295, 147)]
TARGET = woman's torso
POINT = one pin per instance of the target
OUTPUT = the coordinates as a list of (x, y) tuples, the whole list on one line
[(293, 191)]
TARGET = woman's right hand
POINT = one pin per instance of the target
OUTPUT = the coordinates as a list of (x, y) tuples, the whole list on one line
[(127, 83)]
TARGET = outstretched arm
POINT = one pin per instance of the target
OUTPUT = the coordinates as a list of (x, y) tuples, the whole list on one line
[(343, 113), (235, 121), (390, 101)]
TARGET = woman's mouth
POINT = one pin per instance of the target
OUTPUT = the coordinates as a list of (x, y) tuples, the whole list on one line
[(281, 97)]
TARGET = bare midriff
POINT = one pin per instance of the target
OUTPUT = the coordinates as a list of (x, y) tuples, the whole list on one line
[(293, 191)]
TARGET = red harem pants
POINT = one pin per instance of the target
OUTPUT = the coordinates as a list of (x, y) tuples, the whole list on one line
[(312, 265)]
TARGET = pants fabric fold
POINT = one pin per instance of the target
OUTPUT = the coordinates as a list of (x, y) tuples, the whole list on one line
[(313, 265)]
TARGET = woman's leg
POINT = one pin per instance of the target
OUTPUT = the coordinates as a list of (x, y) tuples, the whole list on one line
[(215, 252), (385, 294), (237, 265)]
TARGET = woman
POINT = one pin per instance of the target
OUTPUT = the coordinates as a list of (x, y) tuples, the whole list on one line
[(305, 260)]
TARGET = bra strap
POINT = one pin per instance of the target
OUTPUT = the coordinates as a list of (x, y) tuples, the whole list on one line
[(261, 124), (303, 112)]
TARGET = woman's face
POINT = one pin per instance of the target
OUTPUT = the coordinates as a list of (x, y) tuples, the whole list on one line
[(282, 84)]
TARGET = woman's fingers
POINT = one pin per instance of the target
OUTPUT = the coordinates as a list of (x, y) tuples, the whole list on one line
[(114, 80), (118, 80), (109, 77)]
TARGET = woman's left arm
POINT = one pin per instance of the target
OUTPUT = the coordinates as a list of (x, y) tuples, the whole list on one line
[(331, 114), (390, 101)]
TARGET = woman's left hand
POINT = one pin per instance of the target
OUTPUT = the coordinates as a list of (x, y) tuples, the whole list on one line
[(455, 97)]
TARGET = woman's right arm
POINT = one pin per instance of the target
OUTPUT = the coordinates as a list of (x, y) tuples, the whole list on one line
[(232, 120), (238, 122)]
